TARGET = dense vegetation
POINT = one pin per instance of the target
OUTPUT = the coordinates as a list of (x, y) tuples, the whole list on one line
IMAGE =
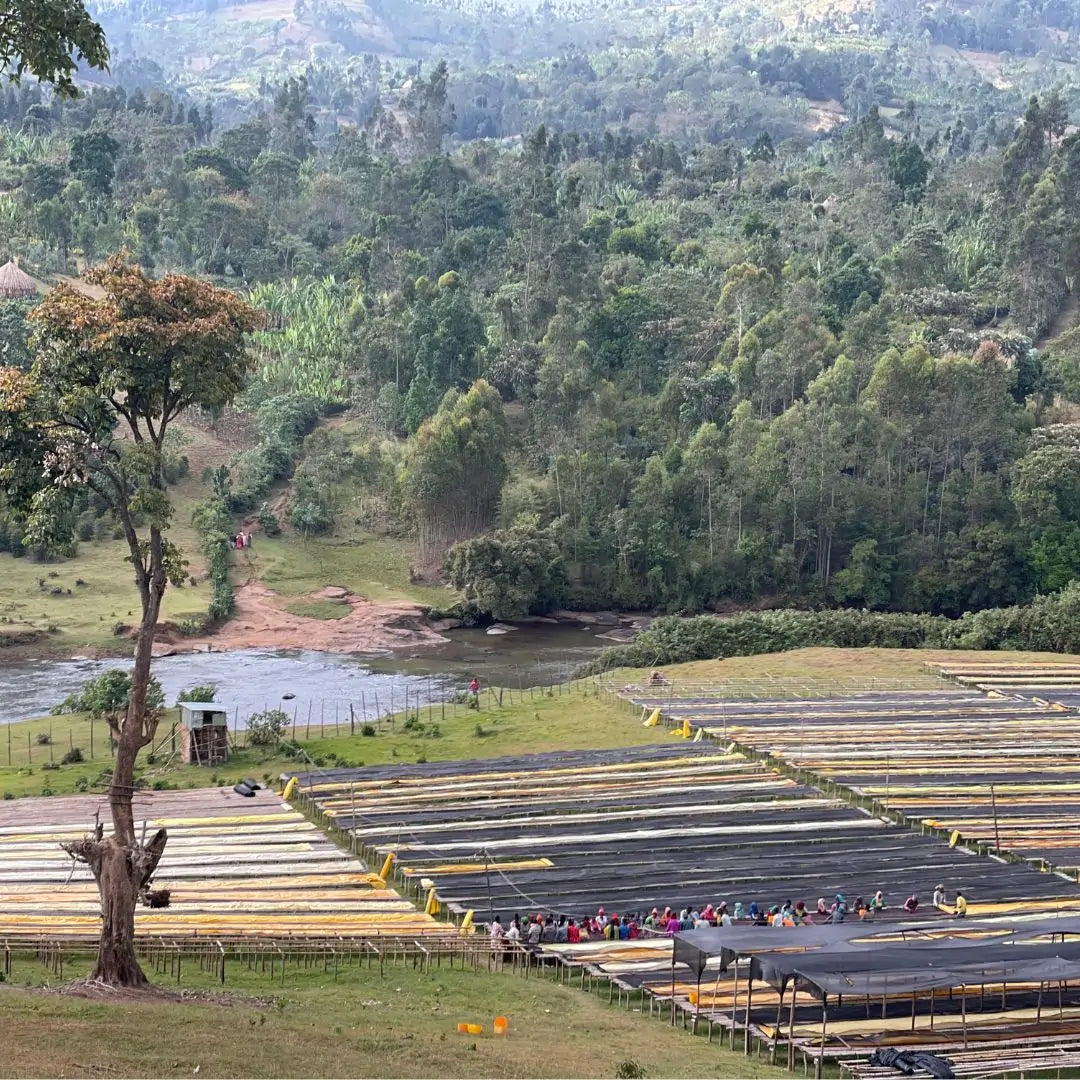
[(722, 311), (1047, 624)]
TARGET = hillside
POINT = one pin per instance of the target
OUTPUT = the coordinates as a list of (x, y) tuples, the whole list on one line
[(517, 64), (88, 602), (714, 311)]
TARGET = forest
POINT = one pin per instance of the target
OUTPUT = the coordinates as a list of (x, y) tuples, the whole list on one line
[(687, 315)]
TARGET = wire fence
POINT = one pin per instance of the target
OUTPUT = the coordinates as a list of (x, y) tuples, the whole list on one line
[(170, 957), (47, 743)]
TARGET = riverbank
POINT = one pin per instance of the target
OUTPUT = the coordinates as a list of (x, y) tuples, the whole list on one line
[(331, 619), (508, 721)]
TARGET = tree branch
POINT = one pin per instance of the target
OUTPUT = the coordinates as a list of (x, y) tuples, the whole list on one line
[(145, 859), (88, 850)]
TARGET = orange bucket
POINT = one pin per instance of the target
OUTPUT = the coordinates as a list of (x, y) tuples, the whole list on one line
[(475, 1029), (463, 1029), (502, 1025)]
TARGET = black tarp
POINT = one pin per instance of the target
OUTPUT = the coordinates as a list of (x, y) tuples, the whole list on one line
[(830, 959), (906, 969), (695, 948)]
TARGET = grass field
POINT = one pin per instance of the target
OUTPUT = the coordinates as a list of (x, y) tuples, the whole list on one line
[(86, 615), (372, 567), (364, 1025), (83, 615), (823, 664), (317, 609), (528, 725)]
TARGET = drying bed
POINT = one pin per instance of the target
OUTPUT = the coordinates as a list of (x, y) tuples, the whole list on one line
[(939, 983), (234, 866), (683, 824), (931, 757), (1057, 681)]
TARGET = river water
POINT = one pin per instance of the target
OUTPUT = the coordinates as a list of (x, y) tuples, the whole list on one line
[(318, 688)]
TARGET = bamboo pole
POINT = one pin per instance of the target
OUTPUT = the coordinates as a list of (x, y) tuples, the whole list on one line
[(749, 1000), (820, 1063), (734, 1003), (791, 1029), (776, 1026)]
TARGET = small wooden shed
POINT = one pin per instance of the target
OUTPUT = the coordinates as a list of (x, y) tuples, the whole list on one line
[(204, 733)]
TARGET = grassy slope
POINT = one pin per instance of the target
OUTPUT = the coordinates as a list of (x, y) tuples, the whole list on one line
[(372, 567), (363, 1025), (524, 726), (843, 665), (88, 615), (292, 566)]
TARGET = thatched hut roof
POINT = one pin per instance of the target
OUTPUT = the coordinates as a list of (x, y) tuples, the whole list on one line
[(15, 284)]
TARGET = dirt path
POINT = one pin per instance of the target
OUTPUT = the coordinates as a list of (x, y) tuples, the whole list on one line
[(1065, 319), (261, 623)]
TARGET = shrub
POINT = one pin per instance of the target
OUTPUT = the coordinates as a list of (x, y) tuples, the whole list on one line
[(629, 1070), (201, 692), (73, 757), (266, 728), (43, 738), (194, 626), (82, 784), (1048, 624), (268, 521), (367, 730), (214, 525), (107, 695)]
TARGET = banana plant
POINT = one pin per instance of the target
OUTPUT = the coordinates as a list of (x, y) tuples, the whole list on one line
[(304, 348)]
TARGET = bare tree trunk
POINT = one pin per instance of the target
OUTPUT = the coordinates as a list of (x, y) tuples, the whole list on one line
[(122, 865), (120, 879)]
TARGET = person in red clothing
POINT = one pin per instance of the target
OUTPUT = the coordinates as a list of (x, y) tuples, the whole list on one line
[(573, 934), (474, 693)]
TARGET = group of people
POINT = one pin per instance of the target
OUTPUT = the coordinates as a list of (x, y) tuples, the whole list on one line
[(540, 929), (240, 540)]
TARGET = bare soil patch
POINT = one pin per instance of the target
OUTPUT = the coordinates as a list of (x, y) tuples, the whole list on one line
[(261, 622)]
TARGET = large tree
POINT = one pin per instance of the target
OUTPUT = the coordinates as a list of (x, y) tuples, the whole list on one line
[(109, 377), (48, 38)]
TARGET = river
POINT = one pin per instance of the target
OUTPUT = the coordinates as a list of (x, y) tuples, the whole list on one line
[(318, 688)]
